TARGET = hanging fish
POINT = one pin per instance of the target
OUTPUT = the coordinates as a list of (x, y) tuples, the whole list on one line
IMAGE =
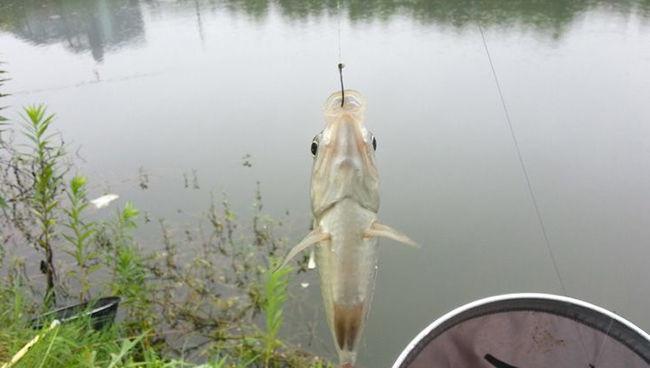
[(345, 202)]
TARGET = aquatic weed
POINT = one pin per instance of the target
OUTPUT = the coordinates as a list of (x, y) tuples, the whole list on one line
[(79, 236), (47, 178), (219, 302)]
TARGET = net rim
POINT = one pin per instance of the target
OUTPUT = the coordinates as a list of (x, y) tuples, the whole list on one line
[(505, 297)]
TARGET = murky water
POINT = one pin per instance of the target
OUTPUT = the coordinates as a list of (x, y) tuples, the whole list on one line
[(184, 89)]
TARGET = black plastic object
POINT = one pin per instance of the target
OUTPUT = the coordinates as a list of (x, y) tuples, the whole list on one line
[(101, 313), (528, 331)]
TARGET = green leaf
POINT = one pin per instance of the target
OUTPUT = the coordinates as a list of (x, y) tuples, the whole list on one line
[(129, 213), (86, 235), (94, 268), (77, 183), (127, 345)]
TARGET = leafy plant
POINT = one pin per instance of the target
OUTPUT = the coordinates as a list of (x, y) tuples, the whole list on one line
[(129, 270), (275, 295), (47, 186), (80, 236), (3, 79), (212, 301)]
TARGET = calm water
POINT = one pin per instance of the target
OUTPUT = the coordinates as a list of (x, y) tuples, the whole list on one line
[(177, 87)]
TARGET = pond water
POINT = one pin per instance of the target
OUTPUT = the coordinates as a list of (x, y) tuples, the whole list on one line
[(170, 90)]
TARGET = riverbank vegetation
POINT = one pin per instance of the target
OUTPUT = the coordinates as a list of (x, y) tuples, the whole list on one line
[(220, 307)]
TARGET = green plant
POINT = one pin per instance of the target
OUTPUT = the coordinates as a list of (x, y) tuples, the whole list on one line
[(47, 180), (76, 344), (3, 201), (130, 271), (275, 295), (3, 79), (213, 301), (80, 236), (127, 345)]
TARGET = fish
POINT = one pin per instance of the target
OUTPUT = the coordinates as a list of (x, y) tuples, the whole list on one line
[(345, 205)]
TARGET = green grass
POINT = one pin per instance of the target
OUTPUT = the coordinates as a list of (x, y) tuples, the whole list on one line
[(77, 344)]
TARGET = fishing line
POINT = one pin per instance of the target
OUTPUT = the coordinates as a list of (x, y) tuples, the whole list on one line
[(531, 192), (338, 15), (340, 63)]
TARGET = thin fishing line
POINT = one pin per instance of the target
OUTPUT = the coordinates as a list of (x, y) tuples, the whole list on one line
[(338, 14), (531, 192), (340, 63)]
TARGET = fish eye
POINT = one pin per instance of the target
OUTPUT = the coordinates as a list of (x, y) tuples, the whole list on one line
[(314, 147), (374, 143)]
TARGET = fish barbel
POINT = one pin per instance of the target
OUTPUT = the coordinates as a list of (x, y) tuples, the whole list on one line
[(345, 202)]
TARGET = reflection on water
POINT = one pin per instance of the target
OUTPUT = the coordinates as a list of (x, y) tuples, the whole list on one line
[(80, 25), (101, 25)]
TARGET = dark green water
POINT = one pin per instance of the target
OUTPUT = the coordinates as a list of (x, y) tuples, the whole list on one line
[(177, 86)]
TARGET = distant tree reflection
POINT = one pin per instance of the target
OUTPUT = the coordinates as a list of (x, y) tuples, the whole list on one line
[(81, 25), (101, 25)]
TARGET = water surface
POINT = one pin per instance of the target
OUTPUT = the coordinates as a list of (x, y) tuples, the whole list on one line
[(187, 88)]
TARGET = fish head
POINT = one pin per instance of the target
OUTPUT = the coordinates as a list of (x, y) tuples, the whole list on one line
[(344, 156)]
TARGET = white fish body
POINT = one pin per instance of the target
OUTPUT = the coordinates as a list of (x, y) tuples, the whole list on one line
[(345, 202)]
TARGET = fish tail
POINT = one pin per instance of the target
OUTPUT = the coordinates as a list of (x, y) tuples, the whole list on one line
[(347, 328)]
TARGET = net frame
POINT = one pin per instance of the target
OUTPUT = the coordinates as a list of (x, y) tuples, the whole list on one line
[(581, 311)]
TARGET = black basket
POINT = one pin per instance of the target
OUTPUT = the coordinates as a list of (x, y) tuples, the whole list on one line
[(101, 313)]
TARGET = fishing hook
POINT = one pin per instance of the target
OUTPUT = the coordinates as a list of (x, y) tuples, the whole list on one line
[(341, 66)]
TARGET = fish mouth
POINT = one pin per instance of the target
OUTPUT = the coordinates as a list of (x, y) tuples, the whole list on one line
[(348, 321), (352, 101)]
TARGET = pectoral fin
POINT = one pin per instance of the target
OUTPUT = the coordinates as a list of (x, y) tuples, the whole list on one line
[(314, 237), (384, 231)]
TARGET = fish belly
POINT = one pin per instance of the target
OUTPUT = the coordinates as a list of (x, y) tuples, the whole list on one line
[(347, 265)]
